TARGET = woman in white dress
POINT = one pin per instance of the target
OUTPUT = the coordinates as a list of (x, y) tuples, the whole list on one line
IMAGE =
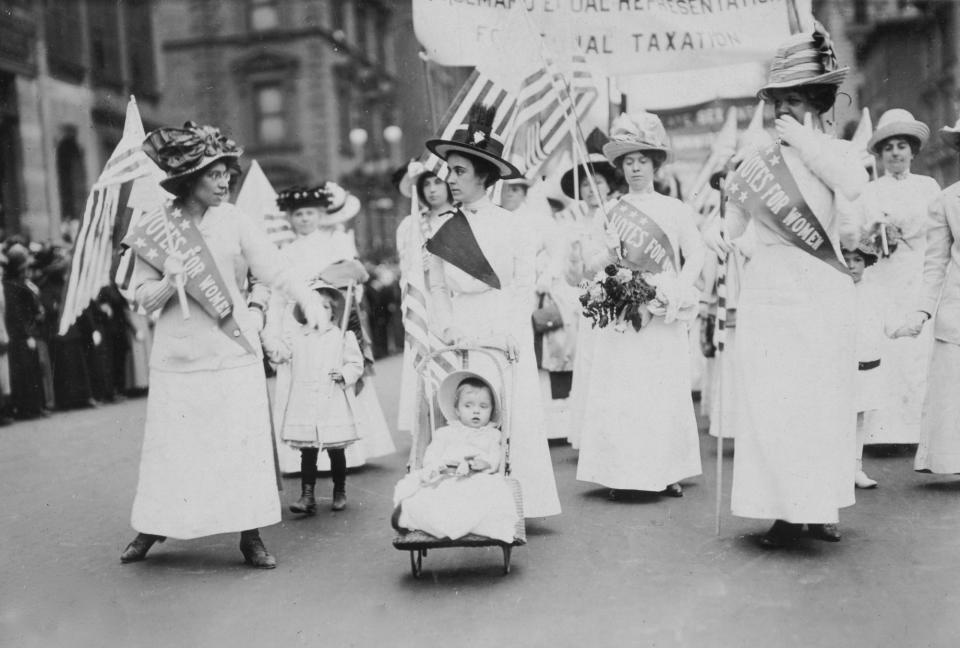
[(640, 430), (582, 230), (481, 280), (318, 215), (898, 200), (796, 328), (435, 206), (206, 466), (939, 449)]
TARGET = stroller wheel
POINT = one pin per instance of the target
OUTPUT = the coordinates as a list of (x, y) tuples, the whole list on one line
[(416, 562), (506, 559)]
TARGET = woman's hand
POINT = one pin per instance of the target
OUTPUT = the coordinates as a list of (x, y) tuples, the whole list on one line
[(714, 239), (913, 324), (791, 132), (454, 336), (479, 464), (173, 267), (337, 376), (277, 352)]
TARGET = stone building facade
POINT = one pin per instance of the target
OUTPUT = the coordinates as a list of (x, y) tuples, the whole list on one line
[(66, 72)]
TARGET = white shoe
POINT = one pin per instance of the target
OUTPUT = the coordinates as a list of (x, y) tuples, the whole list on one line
[(862, 481)]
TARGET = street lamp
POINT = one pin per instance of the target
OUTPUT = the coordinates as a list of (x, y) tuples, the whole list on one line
[(358, 139), (393, 134)]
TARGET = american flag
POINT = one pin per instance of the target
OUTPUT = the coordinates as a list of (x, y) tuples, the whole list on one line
[(127, 185), (257, 198), (546, 104)]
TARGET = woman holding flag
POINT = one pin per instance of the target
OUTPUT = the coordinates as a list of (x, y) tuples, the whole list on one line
[(207, 465), (796, 326), (640, 430), (482, 275)]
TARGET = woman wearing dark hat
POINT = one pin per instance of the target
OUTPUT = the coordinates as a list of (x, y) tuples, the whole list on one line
[(318, 215), (640, 429), (898, 201), (434, 206), (577, 226), (24, 318), (207, 463), (939, 449), (795, 320), (482, 277)]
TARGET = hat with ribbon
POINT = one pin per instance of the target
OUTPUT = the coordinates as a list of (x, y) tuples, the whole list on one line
[(950, 135), (802, 60), (181, 152), (898, 122), (475, 139), (336, 205), (638, 132)]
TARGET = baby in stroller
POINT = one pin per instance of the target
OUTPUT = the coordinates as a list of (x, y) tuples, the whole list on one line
[(459, 489)]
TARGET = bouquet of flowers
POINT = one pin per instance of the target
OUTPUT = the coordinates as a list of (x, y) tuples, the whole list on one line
[(618, 296), (882, 240)]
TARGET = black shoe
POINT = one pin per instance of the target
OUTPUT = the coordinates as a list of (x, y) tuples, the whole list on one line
[(780, 535), (673, 490), (254, 553), (307, 504), (137, 550), (825, 532), (339, 500)]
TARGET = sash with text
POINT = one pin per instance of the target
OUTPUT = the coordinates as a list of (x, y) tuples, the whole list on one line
[(643, 243)]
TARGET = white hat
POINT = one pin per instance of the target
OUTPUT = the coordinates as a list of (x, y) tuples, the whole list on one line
[(898, 122), (635, 133), (447, 395), (951, 135)]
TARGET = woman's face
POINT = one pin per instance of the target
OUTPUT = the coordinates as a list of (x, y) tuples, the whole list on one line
[(213, 185), (586, 191), (435, 191), (896, 155), (638, 169), (793, 103), (465, 185), (305, 220)]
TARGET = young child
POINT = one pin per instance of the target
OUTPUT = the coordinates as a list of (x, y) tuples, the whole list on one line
[(872, 327), (458, 490), (321, 412)]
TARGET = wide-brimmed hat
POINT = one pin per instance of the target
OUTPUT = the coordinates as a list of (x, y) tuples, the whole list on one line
[(447, 395), (898, 122), (476, 139), (322, 287), (180, 152), (638, 132), (597, 164), (334, 202), (950, 135), (802, 60)]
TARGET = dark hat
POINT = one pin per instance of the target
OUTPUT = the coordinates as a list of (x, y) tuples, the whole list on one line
[(597, 164), (475, 139), (338, 205), (180, 152)]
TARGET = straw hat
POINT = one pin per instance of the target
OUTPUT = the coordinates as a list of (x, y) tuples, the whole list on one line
[(337, 205), (476, 139), (447, 395), (597, 164), (951, 135), (802, 60), (898, 122), (638, 132), (180, 152)]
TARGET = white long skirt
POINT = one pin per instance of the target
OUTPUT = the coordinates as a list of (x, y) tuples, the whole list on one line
[(408, 392), (206, 466), (477, 314), (582, 362), (642, 431), (939, 449), (796, 371)]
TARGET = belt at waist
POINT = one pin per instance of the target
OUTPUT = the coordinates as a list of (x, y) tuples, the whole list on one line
[(866, 366)]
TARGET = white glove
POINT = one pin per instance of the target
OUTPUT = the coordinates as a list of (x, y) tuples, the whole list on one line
[(277, 352), (800, 136), (414, 169), (714, 240), (912, 325)]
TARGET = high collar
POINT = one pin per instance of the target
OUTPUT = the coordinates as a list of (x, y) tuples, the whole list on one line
[(477, 205)]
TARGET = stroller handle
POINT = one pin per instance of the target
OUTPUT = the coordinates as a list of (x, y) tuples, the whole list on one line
[(494, 352)]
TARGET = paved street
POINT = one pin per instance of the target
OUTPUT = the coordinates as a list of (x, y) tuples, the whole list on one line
[(648, 572)]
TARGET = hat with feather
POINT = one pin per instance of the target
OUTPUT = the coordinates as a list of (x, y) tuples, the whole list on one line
[(475, 139), (335, 203)]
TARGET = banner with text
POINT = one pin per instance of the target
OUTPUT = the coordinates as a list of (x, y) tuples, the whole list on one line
[(621, 37)]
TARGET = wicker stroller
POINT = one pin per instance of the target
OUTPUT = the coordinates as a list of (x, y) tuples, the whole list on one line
[(418, 542)]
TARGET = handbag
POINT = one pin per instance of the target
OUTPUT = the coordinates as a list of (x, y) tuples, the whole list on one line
[(547, 316)]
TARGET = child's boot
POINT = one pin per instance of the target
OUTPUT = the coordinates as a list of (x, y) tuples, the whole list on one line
[(338, 471), (307, 504), (861, 480)]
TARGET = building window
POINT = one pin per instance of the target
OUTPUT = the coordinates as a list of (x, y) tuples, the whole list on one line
[(71, 176), (64, 38), (270, 113), (104, 26), (263, 15), (140, 59), (345, 110)]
